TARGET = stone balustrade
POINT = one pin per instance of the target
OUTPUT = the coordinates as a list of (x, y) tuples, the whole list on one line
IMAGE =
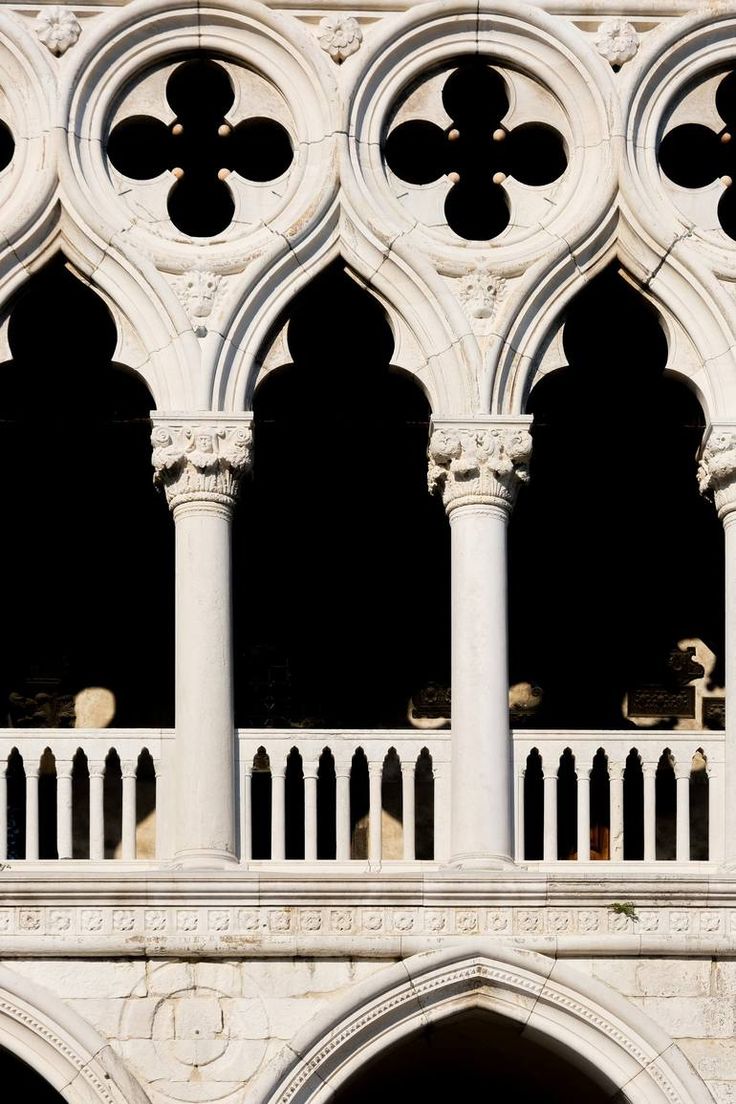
[(372, 795)]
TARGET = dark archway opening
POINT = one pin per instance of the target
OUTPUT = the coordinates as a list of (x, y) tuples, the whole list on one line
[(23, 1083), (341, 556), (87, 554), (615, 556), (473, 1056)]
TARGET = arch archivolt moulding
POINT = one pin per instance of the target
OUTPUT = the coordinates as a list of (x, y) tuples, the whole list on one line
[(692, 305), (479, 289), (565, 1010), (670, 64), (444, 358), (46, 1034), (183, 291), (28, 185)]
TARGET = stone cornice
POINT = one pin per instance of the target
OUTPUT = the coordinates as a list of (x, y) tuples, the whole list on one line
[(479, 461), (361, 913), (201, 458)]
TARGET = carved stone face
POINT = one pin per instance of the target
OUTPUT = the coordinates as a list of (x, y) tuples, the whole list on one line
[(201, 288), (204, 442)]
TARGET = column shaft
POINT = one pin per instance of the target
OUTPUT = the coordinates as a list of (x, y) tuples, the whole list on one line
[(729, 779), (205, 736), (481, 743)]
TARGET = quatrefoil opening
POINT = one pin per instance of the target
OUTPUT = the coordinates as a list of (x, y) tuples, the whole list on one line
[(200, 148), (476, 152), (693, 155), (7, 146)]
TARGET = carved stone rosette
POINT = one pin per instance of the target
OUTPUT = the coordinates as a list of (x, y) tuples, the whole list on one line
[(201, 460), (717, 469), (479, 462)]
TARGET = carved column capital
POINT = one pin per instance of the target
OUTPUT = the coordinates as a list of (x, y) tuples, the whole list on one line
[(200, 458), (479, 462), (717, 468)]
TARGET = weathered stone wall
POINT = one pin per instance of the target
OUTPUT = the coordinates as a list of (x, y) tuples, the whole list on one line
[(202, 1031)]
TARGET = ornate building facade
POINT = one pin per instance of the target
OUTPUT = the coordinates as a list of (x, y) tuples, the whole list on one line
[(315, 784)]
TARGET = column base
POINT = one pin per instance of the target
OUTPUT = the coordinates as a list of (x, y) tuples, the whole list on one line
[(481, 860), (205, 859)]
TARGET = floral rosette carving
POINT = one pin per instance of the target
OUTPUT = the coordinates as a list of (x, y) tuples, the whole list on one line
[(199, 462), (471, 465), (58, 29), (339, 36), (717, 471), (617, 41)]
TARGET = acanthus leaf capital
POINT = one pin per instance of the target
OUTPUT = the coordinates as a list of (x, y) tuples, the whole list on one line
[(201, 458)]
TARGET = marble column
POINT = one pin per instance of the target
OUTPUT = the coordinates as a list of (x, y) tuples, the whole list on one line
[(717, 478), (199, 462), (478, 466)]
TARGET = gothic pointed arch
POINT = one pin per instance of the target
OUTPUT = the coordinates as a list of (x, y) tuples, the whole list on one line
[(693, 308), (544, 999), (66, 1051)]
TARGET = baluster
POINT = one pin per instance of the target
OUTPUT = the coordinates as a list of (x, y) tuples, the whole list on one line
[(583, 796), (128, 771), (550, 813), (96, 811), (520, 845), (682, 834), (164, 827), (375, 774), (31, 810), (246, 814), (310, 810), (408, 807), (442, 810), (342, 812), (64, 835), (278, 811), (649, 770), (3, 810), (616, 793), (716, 813)]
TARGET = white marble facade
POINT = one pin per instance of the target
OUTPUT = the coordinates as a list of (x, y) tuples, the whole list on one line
[(201, 975)]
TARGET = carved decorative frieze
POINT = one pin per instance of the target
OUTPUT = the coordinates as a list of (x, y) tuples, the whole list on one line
[(482, 463), (717, 470), (120, 928), (200, 461)]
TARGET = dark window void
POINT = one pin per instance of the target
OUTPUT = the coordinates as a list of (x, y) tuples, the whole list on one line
[(87, 555), (341, 557), (474, 1056), (614, 555), (23, 1083)]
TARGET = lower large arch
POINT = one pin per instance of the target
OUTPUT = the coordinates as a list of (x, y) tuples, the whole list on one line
[(576, 1018), (38, 1028)]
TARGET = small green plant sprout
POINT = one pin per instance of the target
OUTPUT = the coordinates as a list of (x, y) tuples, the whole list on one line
[(625, 908)]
